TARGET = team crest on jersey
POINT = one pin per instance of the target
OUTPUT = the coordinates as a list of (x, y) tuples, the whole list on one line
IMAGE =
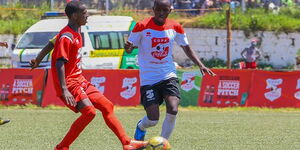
[(148, 34), (97, 81), (160, 47), (130, 90)]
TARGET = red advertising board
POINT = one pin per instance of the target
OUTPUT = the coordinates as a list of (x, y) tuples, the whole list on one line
[(227, 88), (21, 86), (119, 86), (275, 89), (49, 97), (122, 87)]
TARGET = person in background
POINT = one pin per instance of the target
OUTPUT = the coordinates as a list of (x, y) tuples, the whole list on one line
[(251, 55)]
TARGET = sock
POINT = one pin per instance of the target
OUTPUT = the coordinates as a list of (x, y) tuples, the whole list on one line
[(87, 115), (146, 123), (168, 125), (112, 121)]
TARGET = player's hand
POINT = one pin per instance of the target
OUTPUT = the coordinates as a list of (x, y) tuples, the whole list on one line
[(34, 63), (4, 44), (128, 46), (69, 98), (204, 70)]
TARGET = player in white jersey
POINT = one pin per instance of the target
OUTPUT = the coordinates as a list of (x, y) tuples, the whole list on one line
[(154, 37)]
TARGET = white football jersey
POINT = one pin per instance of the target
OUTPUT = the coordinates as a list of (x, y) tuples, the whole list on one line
[(155, 45)]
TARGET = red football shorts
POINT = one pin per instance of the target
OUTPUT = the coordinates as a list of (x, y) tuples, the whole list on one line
[(250, 65), (82, 91)]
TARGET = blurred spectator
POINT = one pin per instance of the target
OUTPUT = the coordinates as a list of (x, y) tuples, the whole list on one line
[(251, 54), (207, 4)]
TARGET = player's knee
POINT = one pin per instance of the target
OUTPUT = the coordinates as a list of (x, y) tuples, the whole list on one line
[(172, 111), (108, 108), (89, 112), (153, 117)]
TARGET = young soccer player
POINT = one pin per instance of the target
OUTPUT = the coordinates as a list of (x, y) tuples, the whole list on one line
[(154, 37), (73, 89)]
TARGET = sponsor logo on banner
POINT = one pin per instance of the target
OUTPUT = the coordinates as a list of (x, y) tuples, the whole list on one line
[(97, 81), (275, 93), (297, 94), (228, 87), (130, 90), (22, 86), (188, 81), (160, 47)]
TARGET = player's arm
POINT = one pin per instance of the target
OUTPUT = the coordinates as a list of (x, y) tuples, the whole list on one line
[(128, 46), (34, 63), (243, 53), (4, 44), (258, 54), (191, 54), (60, 68), (134, 38)]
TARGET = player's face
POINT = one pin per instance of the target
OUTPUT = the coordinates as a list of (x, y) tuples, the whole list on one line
[(82, 16), (161, 12)]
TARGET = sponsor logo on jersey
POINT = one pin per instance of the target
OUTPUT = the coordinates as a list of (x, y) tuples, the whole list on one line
[(160, 47)]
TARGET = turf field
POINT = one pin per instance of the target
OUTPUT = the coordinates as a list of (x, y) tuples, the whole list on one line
[(197, 129)]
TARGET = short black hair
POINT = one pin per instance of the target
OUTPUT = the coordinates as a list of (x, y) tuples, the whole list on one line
[(73, 7)]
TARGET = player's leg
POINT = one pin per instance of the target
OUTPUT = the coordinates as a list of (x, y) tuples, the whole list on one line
[(172, 98), (107, 108), (87, 110), (150, 99), (88, 113)]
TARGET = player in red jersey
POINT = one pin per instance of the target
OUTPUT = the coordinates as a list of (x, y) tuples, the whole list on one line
[(73, 89)]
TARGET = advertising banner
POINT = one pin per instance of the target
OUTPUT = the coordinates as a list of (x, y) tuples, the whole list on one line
[(275, 89), (227, 88), (189, 85), (49, 97), (119, 86), (122, 87), (21, 86)]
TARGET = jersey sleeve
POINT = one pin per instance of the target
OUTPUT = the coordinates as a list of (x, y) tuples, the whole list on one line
[(180, 37), (63, 48), (135, 35)]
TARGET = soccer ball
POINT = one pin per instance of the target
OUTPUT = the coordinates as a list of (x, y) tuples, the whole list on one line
[(158, 143)]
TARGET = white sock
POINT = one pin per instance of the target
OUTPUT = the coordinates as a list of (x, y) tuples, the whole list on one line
[(146, 123), (168, 125)]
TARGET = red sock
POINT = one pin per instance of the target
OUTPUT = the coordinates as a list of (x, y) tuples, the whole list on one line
[(87, 115), (107, 109)]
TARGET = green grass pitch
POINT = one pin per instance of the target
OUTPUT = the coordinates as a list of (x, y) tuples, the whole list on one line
[(196, 129)]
